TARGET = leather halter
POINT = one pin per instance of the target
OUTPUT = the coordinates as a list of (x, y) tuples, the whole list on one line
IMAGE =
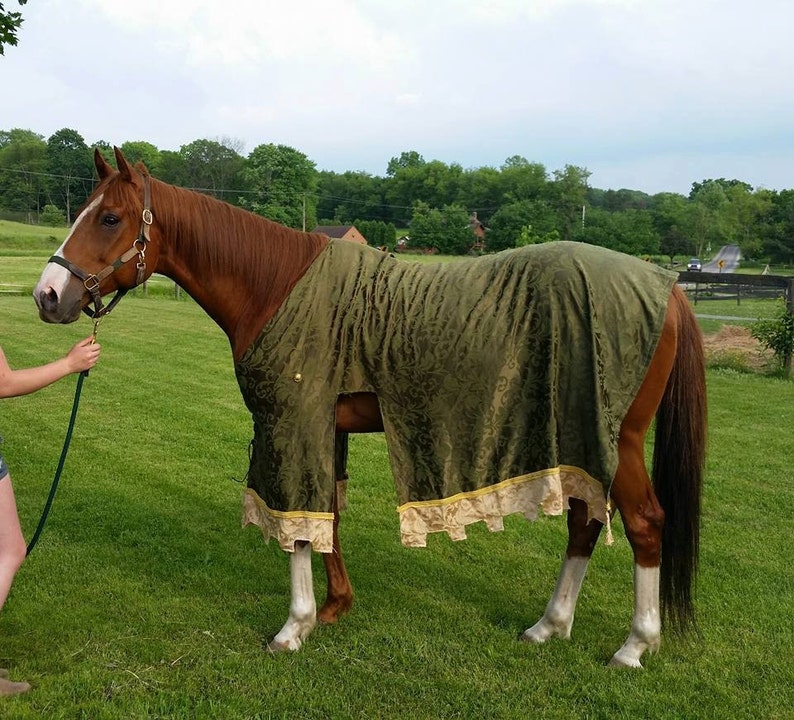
[(91, 281)]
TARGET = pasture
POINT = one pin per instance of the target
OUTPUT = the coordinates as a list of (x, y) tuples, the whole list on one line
[(144, 598)]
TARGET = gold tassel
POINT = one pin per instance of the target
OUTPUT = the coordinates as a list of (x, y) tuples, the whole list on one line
[(610, 539)]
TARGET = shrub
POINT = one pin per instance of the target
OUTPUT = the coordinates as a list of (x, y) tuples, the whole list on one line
[(51, 216), (777, 334)]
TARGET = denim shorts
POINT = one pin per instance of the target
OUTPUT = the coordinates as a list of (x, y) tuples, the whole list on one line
[(3, 466)]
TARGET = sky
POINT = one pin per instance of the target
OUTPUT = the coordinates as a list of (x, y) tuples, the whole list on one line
[(649, 95)]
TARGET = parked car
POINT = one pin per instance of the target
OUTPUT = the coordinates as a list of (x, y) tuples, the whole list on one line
[(694, 265)]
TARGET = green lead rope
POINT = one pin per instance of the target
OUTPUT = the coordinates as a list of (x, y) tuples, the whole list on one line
[(83, 375)]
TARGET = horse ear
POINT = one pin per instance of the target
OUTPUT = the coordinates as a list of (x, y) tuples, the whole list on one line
[(102, 167), (141, 168), (123, 165)]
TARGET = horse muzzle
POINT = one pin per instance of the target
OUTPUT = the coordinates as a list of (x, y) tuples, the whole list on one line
[(58, 306)]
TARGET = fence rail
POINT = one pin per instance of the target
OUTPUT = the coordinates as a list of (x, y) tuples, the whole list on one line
[(745, 285)]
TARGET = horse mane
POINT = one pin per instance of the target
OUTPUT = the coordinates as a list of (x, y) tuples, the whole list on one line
[(221, 236)]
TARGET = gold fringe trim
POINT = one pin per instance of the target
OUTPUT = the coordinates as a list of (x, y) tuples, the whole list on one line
[(548, 490), (289, 527)]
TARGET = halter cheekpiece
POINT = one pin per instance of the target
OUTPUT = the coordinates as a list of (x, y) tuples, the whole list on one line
[(91, 281)]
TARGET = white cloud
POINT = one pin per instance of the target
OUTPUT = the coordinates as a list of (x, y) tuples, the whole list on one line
[(602, 83)]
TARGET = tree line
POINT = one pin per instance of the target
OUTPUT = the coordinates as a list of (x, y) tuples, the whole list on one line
[(521, 202)]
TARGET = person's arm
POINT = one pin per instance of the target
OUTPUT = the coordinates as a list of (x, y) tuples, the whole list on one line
[(82, 356)]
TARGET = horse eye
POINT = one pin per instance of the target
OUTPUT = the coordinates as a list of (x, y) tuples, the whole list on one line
[(110, 220)]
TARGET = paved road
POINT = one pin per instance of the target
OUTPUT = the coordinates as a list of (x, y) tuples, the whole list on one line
[(729, 254)]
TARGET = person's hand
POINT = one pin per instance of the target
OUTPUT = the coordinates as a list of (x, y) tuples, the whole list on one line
[(84, 355)]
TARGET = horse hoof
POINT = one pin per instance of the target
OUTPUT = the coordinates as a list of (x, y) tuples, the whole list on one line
[(7, 687), (543, 630), (276, 646), (530, 637), (624, 662), (330, 614)]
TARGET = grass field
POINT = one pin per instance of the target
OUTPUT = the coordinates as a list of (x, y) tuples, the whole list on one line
[(145, 599)]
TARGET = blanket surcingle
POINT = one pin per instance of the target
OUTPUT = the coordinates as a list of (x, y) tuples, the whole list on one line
[(503, 382)]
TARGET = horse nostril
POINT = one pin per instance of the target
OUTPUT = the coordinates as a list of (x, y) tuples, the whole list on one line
[(48, 299)]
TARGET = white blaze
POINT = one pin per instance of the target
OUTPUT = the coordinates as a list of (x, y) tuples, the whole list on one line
[(54, 276)]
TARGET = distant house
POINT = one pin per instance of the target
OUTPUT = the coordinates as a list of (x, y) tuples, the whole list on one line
[(341, 232), (479, 230)]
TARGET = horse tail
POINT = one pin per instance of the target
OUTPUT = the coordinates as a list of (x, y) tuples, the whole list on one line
[(678, 465)]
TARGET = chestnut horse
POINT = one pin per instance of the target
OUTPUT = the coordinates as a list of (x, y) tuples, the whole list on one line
[(133, 226)]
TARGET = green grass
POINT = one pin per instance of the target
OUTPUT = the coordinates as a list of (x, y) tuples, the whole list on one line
[(145, 599), (16, 238)]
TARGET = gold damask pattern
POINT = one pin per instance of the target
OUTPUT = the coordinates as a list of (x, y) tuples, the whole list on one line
[(502, 380)]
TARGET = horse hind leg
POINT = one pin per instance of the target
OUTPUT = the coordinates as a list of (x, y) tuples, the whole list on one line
[(643, 519), (557, 620), (642, 514), (339, 591)]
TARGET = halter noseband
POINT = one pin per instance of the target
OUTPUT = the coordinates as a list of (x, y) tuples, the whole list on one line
[(91, 281)]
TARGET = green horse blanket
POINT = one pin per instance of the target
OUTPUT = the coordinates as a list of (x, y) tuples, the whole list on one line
[(503, 382)]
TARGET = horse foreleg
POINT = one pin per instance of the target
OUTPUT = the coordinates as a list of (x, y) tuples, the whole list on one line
[(302, 609), (558, 618)]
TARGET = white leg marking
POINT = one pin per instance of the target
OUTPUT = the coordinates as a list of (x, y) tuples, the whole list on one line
[(646, 626), (54, 277), (558, 618), (303, 609)]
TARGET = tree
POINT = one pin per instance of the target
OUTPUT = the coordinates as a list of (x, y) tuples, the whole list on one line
[(433, 183), (481, 190), (284, 185), (379, 234), (744, 214), (671, 215), (409, 159), (23, 167), (71, 168), (215, 167), (345, 197), (778, 234), (142, 151), (446, 230), (623, 199), (629, 231), (173, 168), (510, 221), (568, 194), (522, 180), (10, 22)]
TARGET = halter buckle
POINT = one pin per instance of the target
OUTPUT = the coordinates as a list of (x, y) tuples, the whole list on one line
[(147, 217), (91, 284)]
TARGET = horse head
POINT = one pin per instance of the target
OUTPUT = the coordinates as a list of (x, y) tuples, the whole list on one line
[(109, 249)]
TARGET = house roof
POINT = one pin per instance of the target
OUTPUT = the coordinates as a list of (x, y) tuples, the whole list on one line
[(334, 231)]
